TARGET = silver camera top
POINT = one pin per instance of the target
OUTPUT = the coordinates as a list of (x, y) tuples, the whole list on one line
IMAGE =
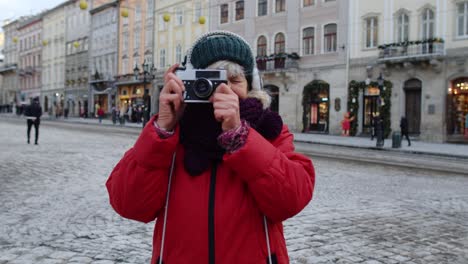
[(194, 74)]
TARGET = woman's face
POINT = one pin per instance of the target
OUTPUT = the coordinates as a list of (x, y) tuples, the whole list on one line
[(239, 85)]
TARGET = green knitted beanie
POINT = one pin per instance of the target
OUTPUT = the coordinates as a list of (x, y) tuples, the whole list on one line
[(216, 46)]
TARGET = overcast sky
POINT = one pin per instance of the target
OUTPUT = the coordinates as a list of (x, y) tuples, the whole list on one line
[(12, 9)]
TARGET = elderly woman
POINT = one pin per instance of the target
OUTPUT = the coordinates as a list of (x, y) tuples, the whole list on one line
[(220, 177)]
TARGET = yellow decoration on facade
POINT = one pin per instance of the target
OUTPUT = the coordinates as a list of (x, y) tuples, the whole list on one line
[(15, 40), (45, 42), (166, 17), (202, 20), (76, 44), (83, 5), (124, 12)]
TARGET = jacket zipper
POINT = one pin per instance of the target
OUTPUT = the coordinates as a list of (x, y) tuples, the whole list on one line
[(211, 216)]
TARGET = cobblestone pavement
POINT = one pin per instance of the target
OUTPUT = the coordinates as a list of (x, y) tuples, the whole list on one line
[(54, 207)]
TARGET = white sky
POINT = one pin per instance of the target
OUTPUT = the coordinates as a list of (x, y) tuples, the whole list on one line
[(12, 9)]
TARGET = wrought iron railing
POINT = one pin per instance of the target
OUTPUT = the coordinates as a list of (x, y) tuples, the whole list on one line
[(411, 50)]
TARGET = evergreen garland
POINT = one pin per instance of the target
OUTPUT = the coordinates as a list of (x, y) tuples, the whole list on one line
[(353, 107)]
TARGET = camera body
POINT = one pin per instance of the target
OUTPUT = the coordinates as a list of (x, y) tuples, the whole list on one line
[(200, 84)]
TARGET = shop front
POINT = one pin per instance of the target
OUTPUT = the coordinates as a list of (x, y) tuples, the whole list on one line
[(102, 95), (457, 110), (316, 105), (371, 108)]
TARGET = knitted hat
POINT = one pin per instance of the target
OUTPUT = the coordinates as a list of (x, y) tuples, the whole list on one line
[(222, 45)]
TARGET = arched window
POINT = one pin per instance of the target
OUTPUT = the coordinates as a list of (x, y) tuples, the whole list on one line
[(329, 38), (280, 43), (427, 24), (262, 46), (308, 39)]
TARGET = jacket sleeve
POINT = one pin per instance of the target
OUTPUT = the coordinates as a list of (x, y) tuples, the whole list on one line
[(280, 180), (137, 186)]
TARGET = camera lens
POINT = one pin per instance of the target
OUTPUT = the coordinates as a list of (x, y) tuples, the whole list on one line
[(203, 88)]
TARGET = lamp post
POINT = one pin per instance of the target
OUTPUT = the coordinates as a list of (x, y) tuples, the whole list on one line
[(149, 72), (380, 126)]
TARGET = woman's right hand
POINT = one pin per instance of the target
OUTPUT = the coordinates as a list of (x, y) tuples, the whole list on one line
[(171, 101)]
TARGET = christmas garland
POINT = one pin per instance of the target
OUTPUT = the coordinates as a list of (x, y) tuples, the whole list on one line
[(353, 104)]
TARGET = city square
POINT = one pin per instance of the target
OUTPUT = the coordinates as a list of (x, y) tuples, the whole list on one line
[(55, 207)]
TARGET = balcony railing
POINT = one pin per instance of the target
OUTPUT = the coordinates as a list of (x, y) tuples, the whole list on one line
[(277, 62), (417, 50)]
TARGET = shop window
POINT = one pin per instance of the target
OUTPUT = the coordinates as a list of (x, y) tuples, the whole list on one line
[(457, 112)]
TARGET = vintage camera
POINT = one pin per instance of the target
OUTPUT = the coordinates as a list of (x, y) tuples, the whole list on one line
[(200, 83)]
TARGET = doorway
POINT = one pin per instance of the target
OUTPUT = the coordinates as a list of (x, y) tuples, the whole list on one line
[(273, 91), (413, 105)]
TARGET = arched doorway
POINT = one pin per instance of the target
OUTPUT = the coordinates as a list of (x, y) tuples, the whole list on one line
[(46, 103), (412, 89), (316, 106), (273, 91), (457, 109)]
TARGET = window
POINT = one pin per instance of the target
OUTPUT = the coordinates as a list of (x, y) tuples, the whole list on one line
[(371, 32), (280, 6), (308, 39), (138, 13), (162, 58), (329, 38), (136, 40), (279, 43), (178, 53), (402, 27), (179, 16), (262, 46), (124, 65), (224, 13), (308, 2), (150, 7), (239, 10), (427, 24), (149, 59), (197, 12), (262, 7), (125, 42), (462, 19), (148, 37)]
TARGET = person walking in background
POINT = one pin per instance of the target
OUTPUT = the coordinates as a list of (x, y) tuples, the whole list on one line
[(234, 176), (346, 124), (114, 114), (404, 129), (100, 114), (33, 113), (122, 112)]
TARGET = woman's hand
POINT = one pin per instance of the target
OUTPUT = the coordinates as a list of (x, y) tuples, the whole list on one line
[(171, 101), (226, 107)]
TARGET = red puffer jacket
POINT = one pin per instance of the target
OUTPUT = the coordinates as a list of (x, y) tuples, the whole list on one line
[(216, 217)]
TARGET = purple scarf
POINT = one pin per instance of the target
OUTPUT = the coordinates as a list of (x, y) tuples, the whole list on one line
[(199, 131)]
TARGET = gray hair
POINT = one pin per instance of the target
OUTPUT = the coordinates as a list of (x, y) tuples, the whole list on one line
[(234, 70)]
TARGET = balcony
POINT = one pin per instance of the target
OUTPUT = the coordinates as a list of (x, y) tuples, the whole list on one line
[(8, 67), (420, 50), (278, 62)]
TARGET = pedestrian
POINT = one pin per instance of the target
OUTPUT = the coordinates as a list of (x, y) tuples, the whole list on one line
[(233, 174), (466, 125), (114, 114), (379, 130), (404, 129), (100, 114), (33, 113), (122, 112), (346, 124)]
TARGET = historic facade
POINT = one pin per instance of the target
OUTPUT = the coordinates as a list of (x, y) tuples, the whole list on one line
[(53, 58), (10, 87), (77, 30), (420, 48), (103, 52), (30, 58), (301, 53)]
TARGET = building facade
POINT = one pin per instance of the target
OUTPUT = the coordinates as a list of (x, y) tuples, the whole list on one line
[(8, 71), (178, 25), (77, 30), (420, 48), (136, 28), (30, 58), (53, 58), (103, 52), (301, 52)]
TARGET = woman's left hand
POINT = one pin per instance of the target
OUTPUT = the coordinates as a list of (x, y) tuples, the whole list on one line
[(226, 107)]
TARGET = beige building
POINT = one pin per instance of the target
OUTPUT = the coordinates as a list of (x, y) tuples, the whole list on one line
[(8, 71), (53, 56), (136, 28), (301, 53), (421, 48), (178, 24)]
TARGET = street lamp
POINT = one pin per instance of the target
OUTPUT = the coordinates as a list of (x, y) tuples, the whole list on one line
[(149, 73), (380, 126)]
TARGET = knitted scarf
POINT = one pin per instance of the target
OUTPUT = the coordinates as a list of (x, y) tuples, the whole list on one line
[(199, 131)]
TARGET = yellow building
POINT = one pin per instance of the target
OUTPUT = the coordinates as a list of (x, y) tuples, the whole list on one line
[(178, 24)]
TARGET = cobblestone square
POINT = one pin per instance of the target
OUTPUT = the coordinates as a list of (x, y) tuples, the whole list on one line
[(54, 207)]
